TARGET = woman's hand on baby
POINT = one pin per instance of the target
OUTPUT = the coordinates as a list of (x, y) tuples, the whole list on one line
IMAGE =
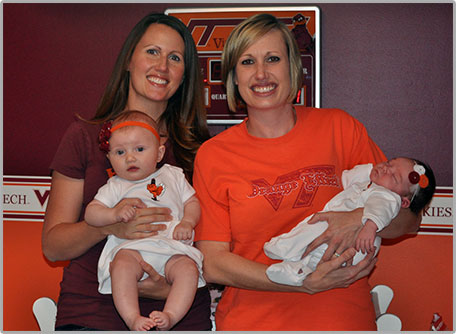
[(154, 286), (143, 224), (341, 234), (334, 274)]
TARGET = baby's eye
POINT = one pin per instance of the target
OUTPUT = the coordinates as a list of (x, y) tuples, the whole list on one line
[(140, 149), (119, 152)]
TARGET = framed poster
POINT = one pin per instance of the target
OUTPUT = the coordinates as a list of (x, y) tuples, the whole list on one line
[(210, 27)]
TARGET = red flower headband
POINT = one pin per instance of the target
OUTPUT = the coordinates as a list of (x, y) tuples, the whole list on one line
[(107, 130), (104, 135), (418, 176)]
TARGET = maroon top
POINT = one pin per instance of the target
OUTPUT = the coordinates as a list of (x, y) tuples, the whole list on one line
[(80, 303)]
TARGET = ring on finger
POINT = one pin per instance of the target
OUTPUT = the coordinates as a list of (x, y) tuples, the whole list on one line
[(336, 254)]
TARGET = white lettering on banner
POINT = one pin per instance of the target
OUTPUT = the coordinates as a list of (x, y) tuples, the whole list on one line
[(25, 199), (438, 218), (218, 96)]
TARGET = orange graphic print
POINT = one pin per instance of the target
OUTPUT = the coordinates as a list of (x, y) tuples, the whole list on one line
[(154, 189), (305, 181)]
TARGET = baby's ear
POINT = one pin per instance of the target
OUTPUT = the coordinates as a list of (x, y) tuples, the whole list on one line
[(161, 152), (405, 202)]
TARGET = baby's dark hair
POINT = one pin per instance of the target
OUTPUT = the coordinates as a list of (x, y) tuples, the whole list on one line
[(424, 195)]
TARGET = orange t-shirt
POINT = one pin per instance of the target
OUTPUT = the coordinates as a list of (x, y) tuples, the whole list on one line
[(252, 189)]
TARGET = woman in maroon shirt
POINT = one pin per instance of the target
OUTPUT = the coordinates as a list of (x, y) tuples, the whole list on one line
[(157, 72)]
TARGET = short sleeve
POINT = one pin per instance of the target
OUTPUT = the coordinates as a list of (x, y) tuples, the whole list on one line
[(358, 174), (185, 189), (71, 156), (381, 206), (214, 224), (109, 194)]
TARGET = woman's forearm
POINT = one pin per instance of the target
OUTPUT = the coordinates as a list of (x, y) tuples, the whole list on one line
[(223, 267), (66, 241), (405, 222), (63, 237)]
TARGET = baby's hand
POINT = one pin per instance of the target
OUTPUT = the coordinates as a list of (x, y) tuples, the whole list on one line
[(125, 213), (366, 237), (183, 231)]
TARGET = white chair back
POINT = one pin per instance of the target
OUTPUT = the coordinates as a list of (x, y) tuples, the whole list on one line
[(45, 311)]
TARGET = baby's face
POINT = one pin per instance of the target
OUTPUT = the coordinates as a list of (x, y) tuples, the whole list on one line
[(134, 152), (393, 175)]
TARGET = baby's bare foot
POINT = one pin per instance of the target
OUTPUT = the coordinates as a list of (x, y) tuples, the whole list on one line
[(161, 320), (141, 324)]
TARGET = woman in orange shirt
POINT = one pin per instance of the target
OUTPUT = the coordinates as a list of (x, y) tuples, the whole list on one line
[(282, 163)]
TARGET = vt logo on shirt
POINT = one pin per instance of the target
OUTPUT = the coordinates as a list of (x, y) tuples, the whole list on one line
[(306, 180)]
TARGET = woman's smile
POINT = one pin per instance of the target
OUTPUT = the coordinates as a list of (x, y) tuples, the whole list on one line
[(157, 80), (263, 89)]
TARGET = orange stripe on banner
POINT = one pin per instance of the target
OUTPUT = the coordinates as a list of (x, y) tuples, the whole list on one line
[(439, 195), (437, 225)]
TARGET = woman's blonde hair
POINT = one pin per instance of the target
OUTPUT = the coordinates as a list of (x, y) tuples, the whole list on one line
[(241, 38)]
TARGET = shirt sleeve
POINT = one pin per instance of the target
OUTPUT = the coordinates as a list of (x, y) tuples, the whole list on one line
[(358, 174), (108, 193), (381, 206), (186, 189), (71, 157), (215, 220)]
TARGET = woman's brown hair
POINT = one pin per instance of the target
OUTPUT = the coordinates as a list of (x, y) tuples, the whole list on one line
[(185, 116)]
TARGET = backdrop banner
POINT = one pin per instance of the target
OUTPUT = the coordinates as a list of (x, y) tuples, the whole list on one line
[(25, 199)]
